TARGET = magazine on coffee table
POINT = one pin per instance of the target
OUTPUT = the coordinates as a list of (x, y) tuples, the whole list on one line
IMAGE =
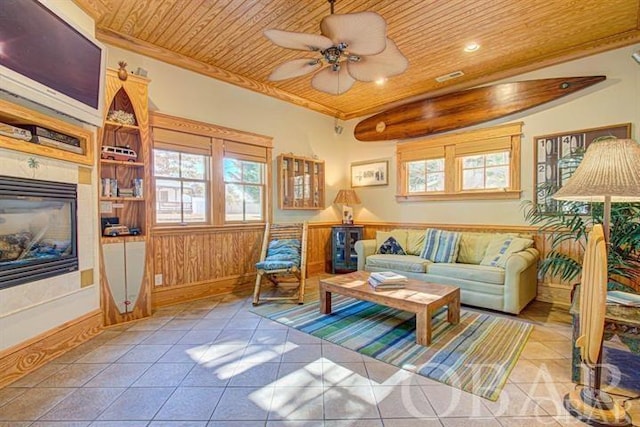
[(387, 280)]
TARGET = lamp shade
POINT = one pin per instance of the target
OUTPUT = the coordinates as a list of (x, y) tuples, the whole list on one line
[(610, 167), (347, 197)]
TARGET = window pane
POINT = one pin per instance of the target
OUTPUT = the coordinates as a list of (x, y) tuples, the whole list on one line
[(473, 161), (435, 181), (166, 163), (473, 179), (168, 201), (252, 172), (232, 170), (436, 165), (498, 177), (495, 159), (253, 203), (234, 209), (193, 166), (194, 199)]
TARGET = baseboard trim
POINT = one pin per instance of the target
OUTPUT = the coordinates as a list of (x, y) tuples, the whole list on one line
[(18, 361), (242, 284)]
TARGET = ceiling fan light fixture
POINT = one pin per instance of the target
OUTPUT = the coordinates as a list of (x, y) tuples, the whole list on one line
[(356, 40)]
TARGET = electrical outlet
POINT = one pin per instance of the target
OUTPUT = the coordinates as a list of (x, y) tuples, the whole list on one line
[(158, 279)]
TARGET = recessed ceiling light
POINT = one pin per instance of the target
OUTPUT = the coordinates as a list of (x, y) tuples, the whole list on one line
[(471, 47), (381, 81)]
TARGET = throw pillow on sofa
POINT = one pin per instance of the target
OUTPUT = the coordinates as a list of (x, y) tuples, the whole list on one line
[(440, 245), (415, 242), (391, 246), (400, 237), (501, 248)]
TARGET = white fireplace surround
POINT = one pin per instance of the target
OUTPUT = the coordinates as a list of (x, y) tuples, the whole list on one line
[(34, 308)]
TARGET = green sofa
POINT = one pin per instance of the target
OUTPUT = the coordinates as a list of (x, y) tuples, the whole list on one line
[(507, 286)]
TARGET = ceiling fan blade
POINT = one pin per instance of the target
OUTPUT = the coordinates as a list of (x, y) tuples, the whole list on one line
[(333, 82), (295, 68), (298, 41), (365, 33), (386, 64)]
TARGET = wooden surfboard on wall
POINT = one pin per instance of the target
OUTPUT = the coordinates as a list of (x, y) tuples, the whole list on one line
[(465, 108)]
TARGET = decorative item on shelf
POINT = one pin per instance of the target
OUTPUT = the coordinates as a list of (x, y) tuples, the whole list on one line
[(109, 187), (125, 192), (138, 187), (121, 117), (609, 172), (122, 70), (346, 198)]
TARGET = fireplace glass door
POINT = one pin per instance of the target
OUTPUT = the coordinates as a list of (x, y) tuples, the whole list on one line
[(37, 230)]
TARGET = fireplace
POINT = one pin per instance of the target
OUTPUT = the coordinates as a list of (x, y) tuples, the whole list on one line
[(38, 234)]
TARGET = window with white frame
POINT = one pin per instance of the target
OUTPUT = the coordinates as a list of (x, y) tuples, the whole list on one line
[(202, 177), (244, 190), (479, 164), (485, 171), (425, 176), (181, 182)]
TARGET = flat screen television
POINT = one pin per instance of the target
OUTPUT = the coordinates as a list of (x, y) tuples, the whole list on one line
[(48, 59)]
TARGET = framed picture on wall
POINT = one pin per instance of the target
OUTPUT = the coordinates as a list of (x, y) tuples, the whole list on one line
[(557, 156), (370, 173)]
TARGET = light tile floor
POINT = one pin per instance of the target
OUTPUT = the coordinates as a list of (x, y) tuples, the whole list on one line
[(213, 363)]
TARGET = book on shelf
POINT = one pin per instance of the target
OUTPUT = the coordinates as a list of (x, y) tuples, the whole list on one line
[(388, 277), (623, 298)]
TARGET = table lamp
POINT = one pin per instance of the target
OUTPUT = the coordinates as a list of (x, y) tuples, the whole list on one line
[(608, 173), (347, 198)]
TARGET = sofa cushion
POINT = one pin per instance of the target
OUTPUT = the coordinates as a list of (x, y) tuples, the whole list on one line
[(473, 246), (440, 245), (410, 263), (415, 242), (399, 235), (501, 248), (391, 246), (478, 273)]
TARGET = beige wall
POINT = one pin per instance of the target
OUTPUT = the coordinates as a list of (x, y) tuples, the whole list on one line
[(617, 100), (303, 132), (294, 129)]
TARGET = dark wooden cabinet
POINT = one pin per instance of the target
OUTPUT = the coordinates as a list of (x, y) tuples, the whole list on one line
[(343, 253)]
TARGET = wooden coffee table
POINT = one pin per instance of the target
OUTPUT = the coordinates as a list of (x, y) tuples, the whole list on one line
[(418, 297)]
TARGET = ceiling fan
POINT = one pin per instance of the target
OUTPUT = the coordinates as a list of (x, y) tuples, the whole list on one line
[(352, 47)]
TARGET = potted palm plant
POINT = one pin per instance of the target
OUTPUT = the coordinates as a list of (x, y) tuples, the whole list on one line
[(570, 224)]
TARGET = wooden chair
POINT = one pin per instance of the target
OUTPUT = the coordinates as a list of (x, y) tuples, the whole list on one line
[(283, 259)]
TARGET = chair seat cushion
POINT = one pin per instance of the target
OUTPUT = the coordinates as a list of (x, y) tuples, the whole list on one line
[(411, 263), (281, 254), (276, 265)]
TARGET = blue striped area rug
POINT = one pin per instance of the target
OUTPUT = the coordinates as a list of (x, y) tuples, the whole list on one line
[(476, 356)]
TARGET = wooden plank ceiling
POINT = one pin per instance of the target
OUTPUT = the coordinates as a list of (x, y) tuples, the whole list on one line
[(223, 39)]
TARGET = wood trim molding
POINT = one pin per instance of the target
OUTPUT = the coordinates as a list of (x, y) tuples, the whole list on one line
[(173, 58), (180, 124), (17, 361), (242, 284), (462, 195), (469, 227)]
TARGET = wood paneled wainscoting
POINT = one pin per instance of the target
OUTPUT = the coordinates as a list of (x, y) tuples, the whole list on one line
[(198, 262), (550, 289)]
